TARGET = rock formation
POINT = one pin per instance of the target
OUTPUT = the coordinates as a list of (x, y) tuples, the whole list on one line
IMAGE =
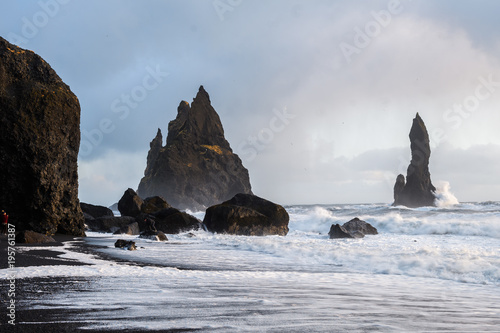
[(338, 231), (154, 211), (355, 228), (125, 244), (197, 168), (39, 143), (96, 211), (173, 221), (131, 229), (31, 237), (109, 223), (130, 203), (418, 190), (247, 214)]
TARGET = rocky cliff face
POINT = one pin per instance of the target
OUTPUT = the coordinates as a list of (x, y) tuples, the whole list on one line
[(418, 190), (39, 143), (197, 168)]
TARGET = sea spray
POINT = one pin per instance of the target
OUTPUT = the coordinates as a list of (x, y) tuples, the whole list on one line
[(444, 197)]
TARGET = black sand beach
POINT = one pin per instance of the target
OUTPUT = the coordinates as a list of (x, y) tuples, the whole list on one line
[(44, 320)]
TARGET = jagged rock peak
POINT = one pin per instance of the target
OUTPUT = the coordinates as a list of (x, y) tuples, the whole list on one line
[(418, 190), (197, 167), (154, 150)]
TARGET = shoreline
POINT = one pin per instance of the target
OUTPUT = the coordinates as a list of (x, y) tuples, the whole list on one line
[(125, 291), (49, 320)]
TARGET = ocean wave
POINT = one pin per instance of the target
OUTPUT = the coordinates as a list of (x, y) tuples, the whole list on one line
[(470, 219)]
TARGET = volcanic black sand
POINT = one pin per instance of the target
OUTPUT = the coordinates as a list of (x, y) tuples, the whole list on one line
[(44, 320)]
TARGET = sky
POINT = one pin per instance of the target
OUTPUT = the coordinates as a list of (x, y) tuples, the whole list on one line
[(317, 97)]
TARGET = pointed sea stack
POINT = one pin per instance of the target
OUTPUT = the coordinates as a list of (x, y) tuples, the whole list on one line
[(418, 190), (39, 144), (197, 168)]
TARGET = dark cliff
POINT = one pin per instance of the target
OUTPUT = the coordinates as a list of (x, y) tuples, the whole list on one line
[(418, 190), (39, 143), (197, 168)]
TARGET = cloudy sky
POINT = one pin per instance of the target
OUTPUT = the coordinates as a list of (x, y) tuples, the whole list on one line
[(317, 97)]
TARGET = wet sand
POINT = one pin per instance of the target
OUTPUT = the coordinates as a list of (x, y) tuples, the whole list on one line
[(45, 320)]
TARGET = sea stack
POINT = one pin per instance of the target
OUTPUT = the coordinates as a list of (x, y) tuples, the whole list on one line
[(418, 190), (39, 143), (197, 167)]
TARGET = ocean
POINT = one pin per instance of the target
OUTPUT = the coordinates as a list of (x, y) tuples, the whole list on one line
[(429, 269)]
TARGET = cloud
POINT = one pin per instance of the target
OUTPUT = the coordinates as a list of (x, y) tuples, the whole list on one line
[(103, 180), (352, 119)]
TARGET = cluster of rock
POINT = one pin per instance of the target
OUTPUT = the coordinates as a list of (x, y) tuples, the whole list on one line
[(244, 214), (39, 144), (355, 228), (197, 167), (418, 190), (150, 218)]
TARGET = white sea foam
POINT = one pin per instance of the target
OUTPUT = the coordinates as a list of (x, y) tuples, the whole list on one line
[(450, 255), (444, 197)]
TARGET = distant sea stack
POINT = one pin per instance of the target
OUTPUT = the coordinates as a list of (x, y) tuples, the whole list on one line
[(197, 167), (39, 143), (418, 190)]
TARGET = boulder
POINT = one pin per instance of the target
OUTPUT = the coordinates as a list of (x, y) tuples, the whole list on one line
[(418, 190), (247, 214), (31, 237), (197, 167), (39, 145), (355, 228), (359, 226), (131, 229), (154, 204), (154, 235), (338, 231), (173, 221), (130, 203), (125, 244), (110, 223), (95, 211), (398, 187)]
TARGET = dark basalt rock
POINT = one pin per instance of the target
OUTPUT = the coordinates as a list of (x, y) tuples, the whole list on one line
[(95, 211), (418, 190), (173, 221), (247, 214), (338, 231), (130, 204), (154, 235), (398, 187), (355, 228), (31, 237), (126, 245), (359, 226), (154, 204), (110, 223), (39, 144), (131, 229), (89, 220), (197, 168)]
